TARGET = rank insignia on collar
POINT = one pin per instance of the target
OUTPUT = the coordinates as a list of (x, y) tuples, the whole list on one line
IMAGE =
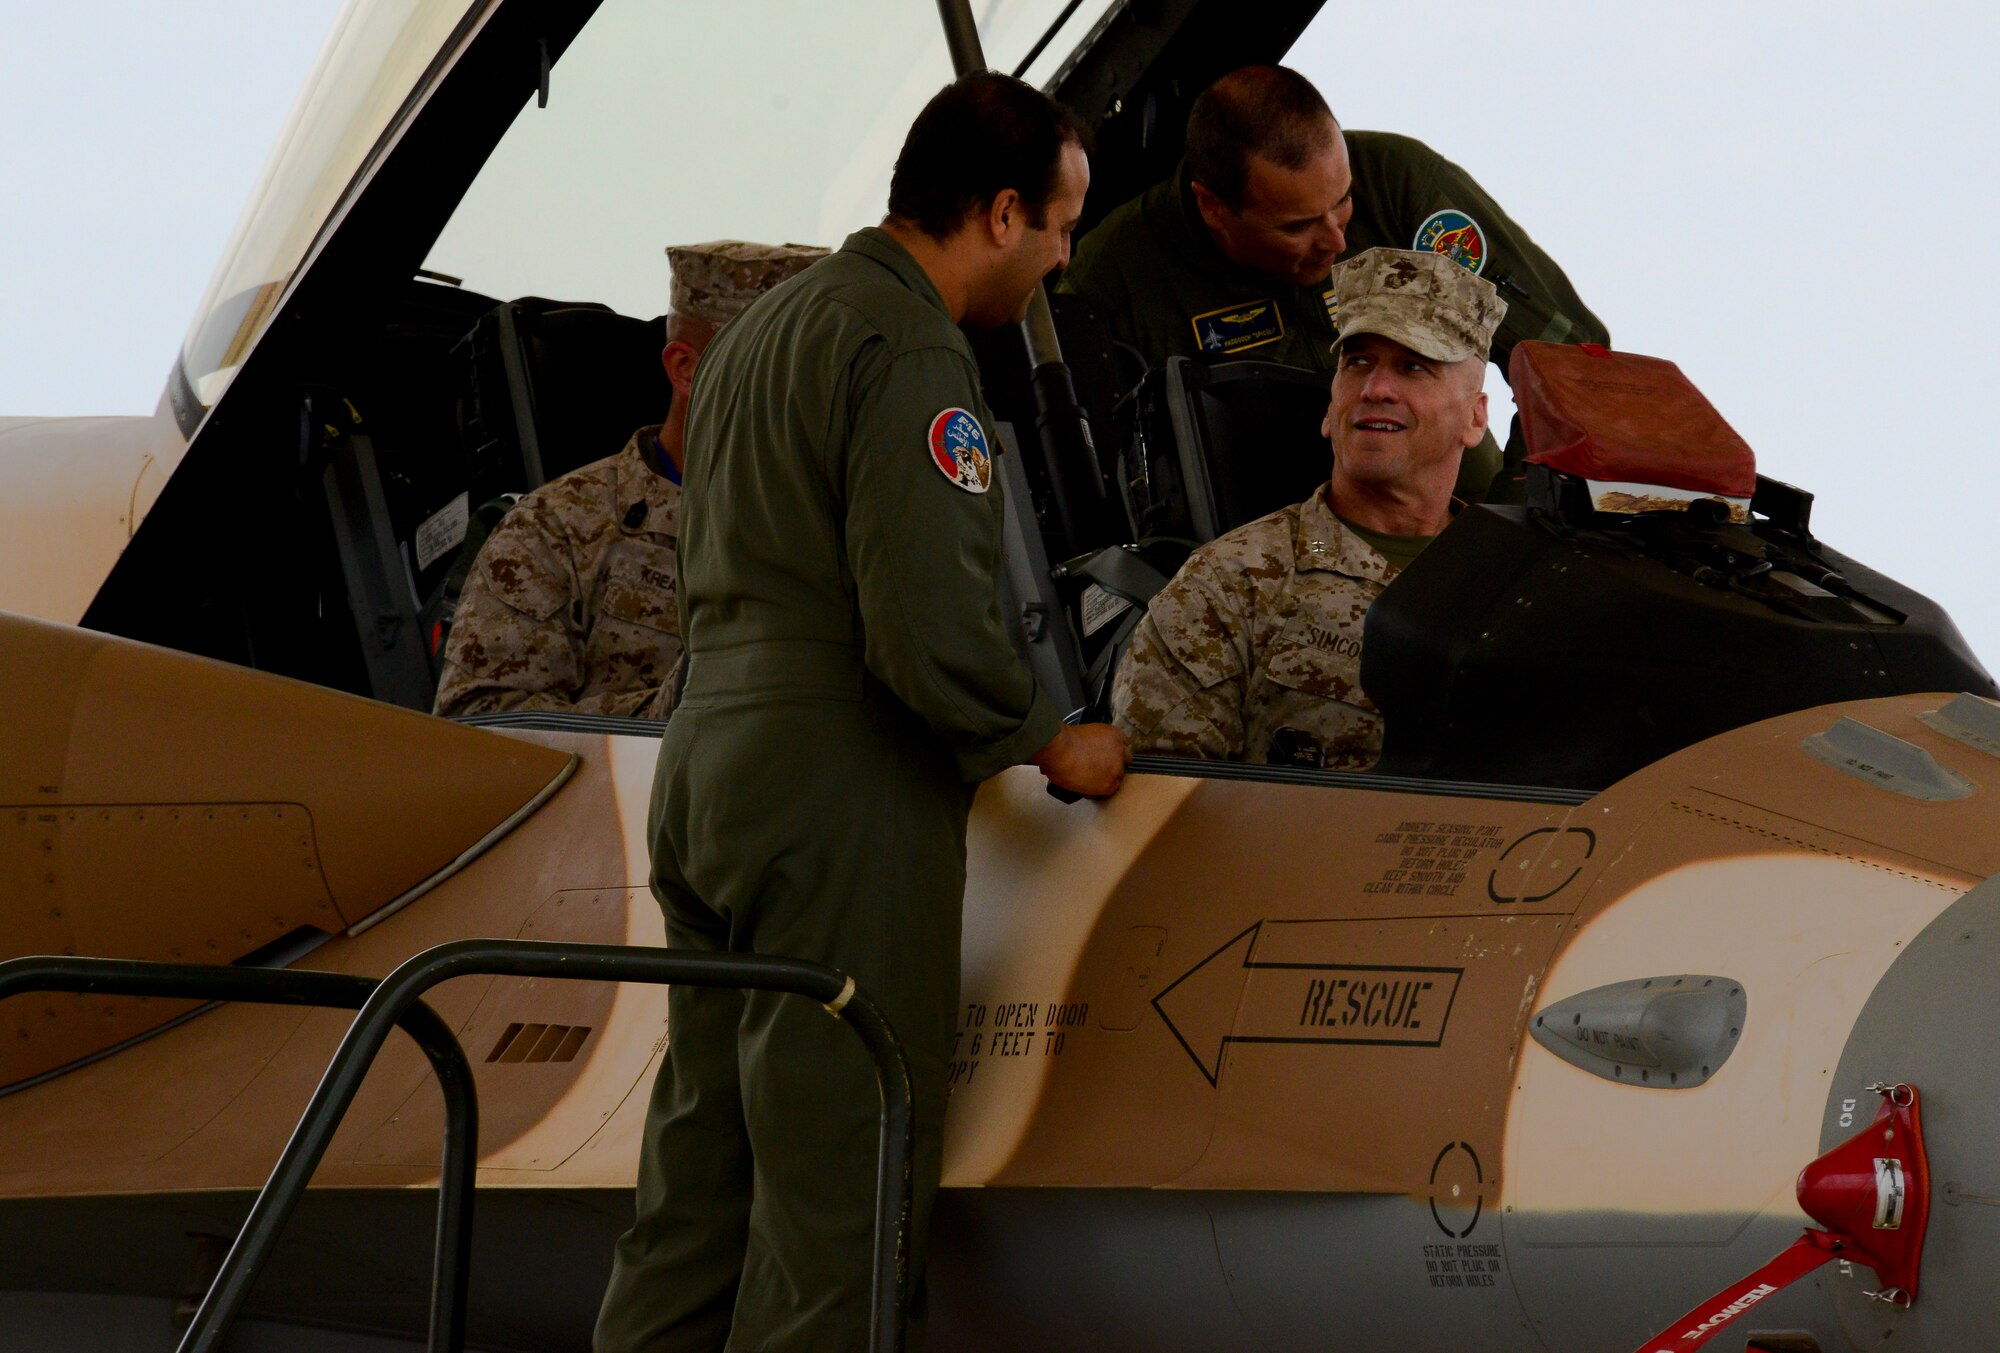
[(1455, 235), (958, 449), (1248, 324)]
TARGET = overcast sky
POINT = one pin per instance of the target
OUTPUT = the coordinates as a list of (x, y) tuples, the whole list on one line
[(131, 134), (1791, 200)]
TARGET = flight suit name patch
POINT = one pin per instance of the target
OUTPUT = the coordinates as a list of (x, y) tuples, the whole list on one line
[(1455, 235), (958, 449), (1236, 327)]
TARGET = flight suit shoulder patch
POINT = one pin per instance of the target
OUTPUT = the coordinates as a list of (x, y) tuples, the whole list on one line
[(959, 449), (1454, 234), (1235, 328)]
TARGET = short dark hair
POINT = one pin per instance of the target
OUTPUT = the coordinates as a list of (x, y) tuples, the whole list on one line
[(1271, 111), (978, 136)]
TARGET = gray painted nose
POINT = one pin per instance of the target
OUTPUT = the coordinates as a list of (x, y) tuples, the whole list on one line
[(1934, 1022)]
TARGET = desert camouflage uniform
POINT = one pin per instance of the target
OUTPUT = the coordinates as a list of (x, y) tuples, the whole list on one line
[(1258, 639), (570, 606)]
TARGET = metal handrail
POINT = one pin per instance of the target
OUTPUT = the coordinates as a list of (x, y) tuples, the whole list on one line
[(400, 991), (451, 1263)]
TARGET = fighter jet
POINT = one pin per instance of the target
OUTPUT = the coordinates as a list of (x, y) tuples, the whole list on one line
[(1673, 882)]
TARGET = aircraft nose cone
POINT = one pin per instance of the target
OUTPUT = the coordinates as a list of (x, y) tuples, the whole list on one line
[(1932, 1023)]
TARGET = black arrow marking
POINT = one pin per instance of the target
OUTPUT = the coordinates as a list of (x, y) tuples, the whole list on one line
[(1362, 1004)]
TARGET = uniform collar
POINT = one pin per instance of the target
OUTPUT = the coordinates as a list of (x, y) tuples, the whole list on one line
[(638, 482), (879, 246), (1321, 543)]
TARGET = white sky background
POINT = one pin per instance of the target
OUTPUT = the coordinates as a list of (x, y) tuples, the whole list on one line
[(1790, 200), (1726, 184), (131, 134)]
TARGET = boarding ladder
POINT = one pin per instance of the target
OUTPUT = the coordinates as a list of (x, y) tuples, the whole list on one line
[(396, 1001)]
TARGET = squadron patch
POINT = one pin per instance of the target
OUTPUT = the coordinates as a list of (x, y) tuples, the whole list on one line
[(1250, 324), (958, 449), (1455, 235)]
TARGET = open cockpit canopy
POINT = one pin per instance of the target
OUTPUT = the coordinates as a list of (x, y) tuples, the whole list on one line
[(677, 123), (753, 118), (446, 289), (374, 67)]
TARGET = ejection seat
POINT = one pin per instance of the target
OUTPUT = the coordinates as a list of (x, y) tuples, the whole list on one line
[(541, 387), (1206, 448), (550, 386), (553, 385), (1056, 472), (1218, 445)]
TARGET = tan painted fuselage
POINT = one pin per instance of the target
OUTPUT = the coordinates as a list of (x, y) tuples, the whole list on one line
[(1206, 986), (72, 492)]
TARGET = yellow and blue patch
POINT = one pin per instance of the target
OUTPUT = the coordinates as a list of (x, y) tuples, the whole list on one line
[(1455, 235), (1233, 328)]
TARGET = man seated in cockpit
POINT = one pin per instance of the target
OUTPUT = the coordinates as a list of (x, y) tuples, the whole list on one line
[(570, 606), (1253, 651)]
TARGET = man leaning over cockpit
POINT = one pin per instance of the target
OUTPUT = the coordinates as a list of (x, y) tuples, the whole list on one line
[(1253, 651)]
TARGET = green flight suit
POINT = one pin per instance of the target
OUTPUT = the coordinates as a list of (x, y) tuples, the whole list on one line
[(1167, 289), (850, 681)]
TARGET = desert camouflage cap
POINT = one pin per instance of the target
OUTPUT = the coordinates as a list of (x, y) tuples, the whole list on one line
[(717, 280), (1432, 306)]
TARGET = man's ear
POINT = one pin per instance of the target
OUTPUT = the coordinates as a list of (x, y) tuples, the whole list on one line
[(1005, 216), (679, 360), (1209, 205), (1478, 425)]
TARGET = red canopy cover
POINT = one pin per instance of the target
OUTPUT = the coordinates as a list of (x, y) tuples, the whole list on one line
[(1617, 416)]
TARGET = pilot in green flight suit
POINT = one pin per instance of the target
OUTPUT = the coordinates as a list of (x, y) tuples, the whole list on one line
[(1229, 258), (850, 682)]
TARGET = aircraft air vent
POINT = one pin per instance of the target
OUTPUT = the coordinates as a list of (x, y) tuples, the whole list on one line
[(1887, 762), (1970, 720), (539, 1043), (1658, 1033)]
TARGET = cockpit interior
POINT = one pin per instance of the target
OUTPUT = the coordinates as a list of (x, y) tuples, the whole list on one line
[(363, 397)]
